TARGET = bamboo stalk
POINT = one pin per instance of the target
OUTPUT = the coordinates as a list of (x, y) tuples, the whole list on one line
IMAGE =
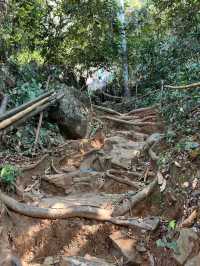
[(33, 113), (23, 106), (5, 123)]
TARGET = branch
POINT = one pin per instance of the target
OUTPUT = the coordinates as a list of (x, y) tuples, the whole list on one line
[(190, 86)]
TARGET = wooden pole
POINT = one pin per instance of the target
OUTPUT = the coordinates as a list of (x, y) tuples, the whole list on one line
[(23, 106), (19, 115)]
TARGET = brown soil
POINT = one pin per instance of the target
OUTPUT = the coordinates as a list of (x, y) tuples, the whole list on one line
[(33, 240)]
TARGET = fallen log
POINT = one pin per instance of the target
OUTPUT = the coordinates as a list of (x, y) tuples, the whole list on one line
[(23, 106), (190, 86)]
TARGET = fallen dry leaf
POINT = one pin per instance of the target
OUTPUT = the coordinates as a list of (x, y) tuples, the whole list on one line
[(190, 220)]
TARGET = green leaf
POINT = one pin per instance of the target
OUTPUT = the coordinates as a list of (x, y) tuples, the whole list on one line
[(172, 224), (173, 245), (160, 243)]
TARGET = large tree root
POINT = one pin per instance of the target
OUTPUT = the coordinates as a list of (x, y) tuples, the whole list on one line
[(141, 110), (82, 211)]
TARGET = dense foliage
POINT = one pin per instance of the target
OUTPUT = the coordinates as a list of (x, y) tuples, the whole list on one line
[(69, 40)]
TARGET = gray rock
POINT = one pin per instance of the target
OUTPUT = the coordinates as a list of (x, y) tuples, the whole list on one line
[(70, 115), (185, 245), (195, 261)]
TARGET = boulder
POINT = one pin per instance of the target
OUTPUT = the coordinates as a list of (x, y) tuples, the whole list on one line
[(70, 115)]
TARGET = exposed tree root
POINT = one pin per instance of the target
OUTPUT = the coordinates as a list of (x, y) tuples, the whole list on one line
[(107, 110), (132, 201), (125, 181), (112, 96), (141, 110), (121, 121), (82, 211)]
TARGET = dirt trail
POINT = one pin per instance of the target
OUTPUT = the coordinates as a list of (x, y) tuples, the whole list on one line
[(104, 183)]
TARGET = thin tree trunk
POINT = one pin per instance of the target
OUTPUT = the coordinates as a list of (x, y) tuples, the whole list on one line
[(124, 51)]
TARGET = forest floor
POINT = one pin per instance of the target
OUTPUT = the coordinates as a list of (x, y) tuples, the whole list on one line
[(115, 171)]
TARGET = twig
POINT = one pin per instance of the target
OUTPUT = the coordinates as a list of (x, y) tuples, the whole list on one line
[(38, 131)]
